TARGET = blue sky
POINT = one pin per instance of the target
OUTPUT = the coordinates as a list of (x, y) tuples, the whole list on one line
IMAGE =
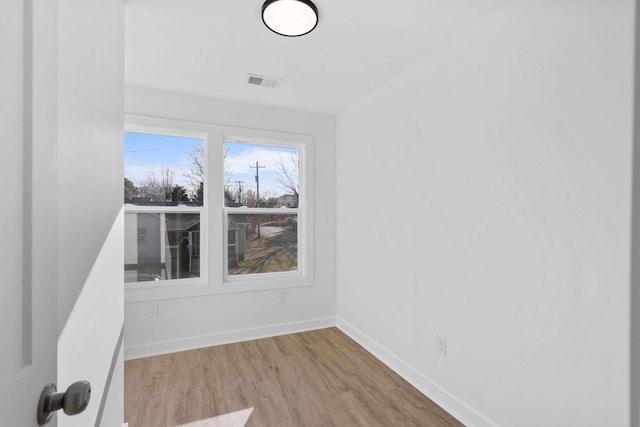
[(240, 165), (145, 152)]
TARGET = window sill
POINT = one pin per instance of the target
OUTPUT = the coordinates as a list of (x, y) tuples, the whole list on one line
[(190, 288)]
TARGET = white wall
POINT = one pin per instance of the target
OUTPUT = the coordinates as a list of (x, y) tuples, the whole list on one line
[(484, 196), (635, 242), (201, 321), (89, 196)]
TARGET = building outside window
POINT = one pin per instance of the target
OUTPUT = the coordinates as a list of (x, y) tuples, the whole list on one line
[(163, 198)]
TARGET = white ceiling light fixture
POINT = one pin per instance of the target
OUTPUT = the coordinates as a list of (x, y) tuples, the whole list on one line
[(290, 18)]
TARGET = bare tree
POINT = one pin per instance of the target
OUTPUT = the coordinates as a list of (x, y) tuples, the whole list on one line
[(195, 176), (287, 176), (248, 197), (160, 185), (268, 199), (150, 186), (167, 178)]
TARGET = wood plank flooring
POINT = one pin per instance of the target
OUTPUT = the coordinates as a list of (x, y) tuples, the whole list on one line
[(317, 378)]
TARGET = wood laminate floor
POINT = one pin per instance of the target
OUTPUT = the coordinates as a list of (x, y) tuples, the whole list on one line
[(317, 378)]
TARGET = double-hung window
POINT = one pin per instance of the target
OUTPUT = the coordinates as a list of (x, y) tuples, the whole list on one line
[(263, 210), (212, 209), (163, 199)]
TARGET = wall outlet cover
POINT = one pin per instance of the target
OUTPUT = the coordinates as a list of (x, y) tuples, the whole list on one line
[(153, 310), (282, 297), (441, 345)]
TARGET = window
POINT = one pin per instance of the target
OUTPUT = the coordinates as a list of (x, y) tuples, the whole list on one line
[(163, 197), (142, 235), (214, 209), (262, 206)]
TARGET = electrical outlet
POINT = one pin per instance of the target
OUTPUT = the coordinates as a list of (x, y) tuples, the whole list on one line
[(282, 297), (441, 345), (153, 310)]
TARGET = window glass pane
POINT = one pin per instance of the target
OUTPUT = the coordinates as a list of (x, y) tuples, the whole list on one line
[(161, 246), (162, 170), (262, 176), (262, 243)]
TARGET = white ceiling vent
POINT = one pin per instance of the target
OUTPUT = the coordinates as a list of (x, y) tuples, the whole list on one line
[(256, 80)]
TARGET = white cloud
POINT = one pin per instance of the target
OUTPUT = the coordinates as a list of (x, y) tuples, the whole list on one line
[(238, 167), (241, 167), (241, 163)]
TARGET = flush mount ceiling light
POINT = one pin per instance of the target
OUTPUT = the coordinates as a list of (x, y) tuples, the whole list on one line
[(290, 18)]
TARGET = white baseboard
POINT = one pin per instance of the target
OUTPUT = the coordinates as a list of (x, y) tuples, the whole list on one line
[(444, 399), (190, 343)]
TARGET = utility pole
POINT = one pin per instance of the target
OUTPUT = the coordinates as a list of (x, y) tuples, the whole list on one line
[(239, 190), (257, 167)]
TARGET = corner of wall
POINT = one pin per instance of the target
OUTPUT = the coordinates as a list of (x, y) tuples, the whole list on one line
[(454, 406)]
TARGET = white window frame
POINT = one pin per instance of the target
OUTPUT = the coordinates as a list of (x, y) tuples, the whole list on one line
[(301, 260), (213, 238), (300, 211), (203, 250)]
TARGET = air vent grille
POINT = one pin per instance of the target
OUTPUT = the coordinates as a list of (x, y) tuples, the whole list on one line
[(263, 81)]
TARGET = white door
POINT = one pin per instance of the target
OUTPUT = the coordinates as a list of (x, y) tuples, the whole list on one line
[(27, 207)]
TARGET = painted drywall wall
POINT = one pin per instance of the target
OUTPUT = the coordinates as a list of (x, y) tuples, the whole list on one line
[(91, 63), (89, 197), (635, 243), (214, 319), (484, 196)]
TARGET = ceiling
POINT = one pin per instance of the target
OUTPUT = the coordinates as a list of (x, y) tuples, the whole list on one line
[(207, 47)]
